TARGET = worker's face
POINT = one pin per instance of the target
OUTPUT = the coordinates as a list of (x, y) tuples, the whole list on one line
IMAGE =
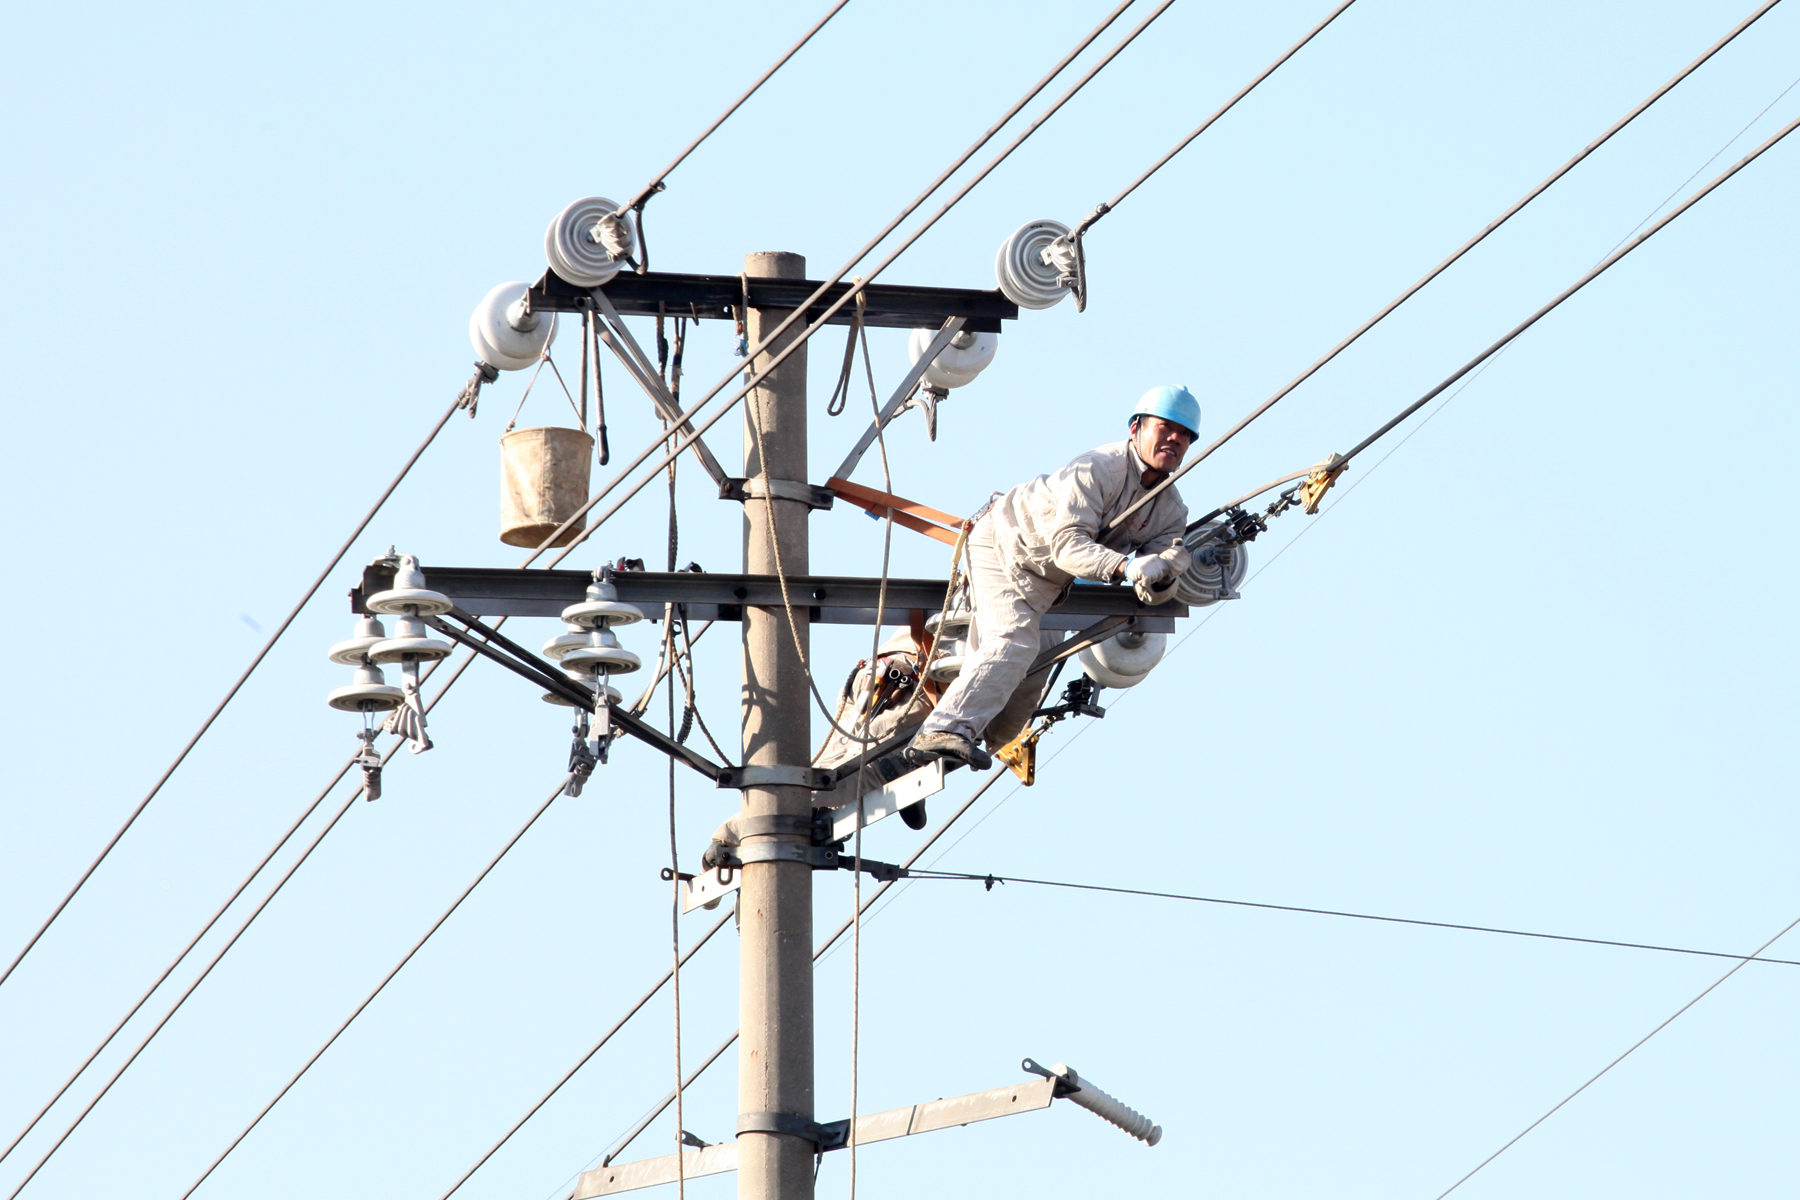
[(1161, 444)]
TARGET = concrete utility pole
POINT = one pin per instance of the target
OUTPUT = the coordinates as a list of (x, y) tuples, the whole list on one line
[(775, 999)]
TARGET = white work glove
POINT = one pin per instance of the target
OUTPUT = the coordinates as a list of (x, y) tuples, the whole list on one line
[(1147, 570)]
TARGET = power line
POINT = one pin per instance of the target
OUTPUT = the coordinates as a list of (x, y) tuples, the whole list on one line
[(1615, 1062), (462, 401), (1467, 246), (991, 879), (1586, 279), (226, 948), (857, 286), (386, 979), (656, 184), (583, 1060)]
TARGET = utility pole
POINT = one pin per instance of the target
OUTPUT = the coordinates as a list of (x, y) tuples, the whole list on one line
[(775, 998)]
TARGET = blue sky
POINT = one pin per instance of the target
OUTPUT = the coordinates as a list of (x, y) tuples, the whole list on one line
[(1533, 670)]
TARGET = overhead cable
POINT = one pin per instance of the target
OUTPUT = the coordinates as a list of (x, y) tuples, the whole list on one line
[(385, 980), (1075, 236), (583, 1060), (657, 182), (857, 287), (106, 1041), (991, 879), (1586, 279), (1615, 1062), (226, 948), (462, 401), (1432, 274)]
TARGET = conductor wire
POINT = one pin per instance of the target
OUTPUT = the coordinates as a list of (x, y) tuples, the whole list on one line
[(1615, 1062), (226, 948), (798, 313), (1432, 274), (232, 691), (386, 979)]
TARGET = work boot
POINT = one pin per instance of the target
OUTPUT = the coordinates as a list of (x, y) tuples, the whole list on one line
[(952, 746), (914, 815)]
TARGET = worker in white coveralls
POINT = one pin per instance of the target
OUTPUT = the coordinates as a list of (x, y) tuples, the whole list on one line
[(1030, 543)]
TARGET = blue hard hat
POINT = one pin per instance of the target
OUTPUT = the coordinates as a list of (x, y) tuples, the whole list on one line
[(1175, 404)]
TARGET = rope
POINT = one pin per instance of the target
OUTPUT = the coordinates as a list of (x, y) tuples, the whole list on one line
[(787, 603), (798, 313), (1615, 1062), (818, 955), (462, 400), (674, 900), (887, 543), (387, 979), (1432, 274)]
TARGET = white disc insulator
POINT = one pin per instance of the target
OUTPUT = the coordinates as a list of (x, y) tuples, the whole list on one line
[(366, 697), (498, 341), (946, 668), (561, 644), (1124, 660), (351, 651), (603, 614), (409, 649), (1021, 269), (956, 366), (420, 601), (950, 625), (586, 245), (613, 696), (616, 659)]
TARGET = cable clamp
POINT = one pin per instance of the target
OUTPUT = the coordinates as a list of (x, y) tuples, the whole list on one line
[(819, 858), (815, 779), (825, 1137), (1319, 482), (811, 495)]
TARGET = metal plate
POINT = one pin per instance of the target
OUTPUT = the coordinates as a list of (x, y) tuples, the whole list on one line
[(883, 801), (648, 1172)]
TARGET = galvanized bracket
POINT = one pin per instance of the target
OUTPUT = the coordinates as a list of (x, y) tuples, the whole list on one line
[(812, 778), (808, 494)]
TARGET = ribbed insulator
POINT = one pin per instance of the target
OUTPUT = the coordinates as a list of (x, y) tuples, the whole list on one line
[(1110, 1108), (1027, 275)]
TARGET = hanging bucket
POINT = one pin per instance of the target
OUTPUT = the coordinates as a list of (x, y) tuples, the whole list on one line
[(543, 482)]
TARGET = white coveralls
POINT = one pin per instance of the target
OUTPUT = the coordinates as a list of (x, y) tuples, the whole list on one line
[(1024, 550)]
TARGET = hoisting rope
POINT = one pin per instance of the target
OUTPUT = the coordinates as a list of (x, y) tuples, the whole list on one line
[(1432, 274), (840, 393), (1067, 253)]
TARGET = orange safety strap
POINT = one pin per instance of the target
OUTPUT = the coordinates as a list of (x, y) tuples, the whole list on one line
[(906, 513)]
